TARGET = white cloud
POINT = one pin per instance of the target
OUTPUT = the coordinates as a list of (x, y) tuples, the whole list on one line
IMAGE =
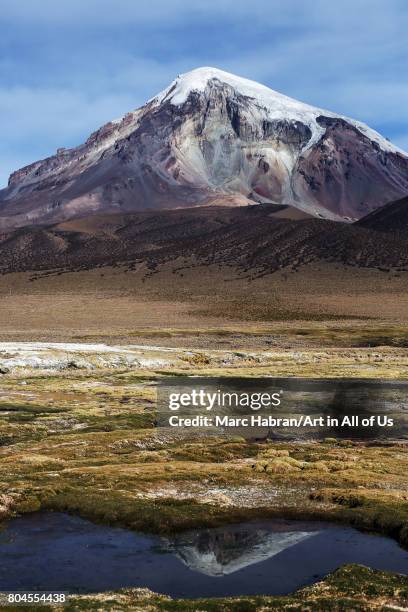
[(355, 16), (35, 122)]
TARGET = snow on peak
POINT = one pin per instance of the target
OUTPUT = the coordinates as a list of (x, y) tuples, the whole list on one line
[(197, 80), (271, 103)]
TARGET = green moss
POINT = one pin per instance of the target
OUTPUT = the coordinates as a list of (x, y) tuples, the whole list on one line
[(86, 444), (352, 587), (164, 516), (214, 451), (119, 422)]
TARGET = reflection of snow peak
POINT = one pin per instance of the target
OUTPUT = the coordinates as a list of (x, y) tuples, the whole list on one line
[(216, 558)]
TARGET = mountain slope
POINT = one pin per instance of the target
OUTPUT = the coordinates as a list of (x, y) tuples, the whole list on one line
[(211, 137), (392, 217), (252, 240)]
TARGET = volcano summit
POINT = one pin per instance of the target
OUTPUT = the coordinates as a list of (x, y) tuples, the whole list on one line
[(213, 138)]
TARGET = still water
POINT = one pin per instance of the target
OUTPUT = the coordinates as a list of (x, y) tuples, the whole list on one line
[(58, 552)]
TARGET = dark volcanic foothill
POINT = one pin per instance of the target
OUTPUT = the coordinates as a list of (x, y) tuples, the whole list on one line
[(256, 239), (390, 218)]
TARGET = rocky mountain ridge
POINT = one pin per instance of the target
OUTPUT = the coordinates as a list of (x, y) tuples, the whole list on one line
[(213, 138)]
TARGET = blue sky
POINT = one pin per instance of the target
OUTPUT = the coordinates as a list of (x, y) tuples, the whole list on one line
[(68, 66)]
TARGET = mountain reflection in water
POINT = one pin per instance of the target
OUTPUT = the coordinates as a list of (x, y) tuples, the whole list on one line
[(218, 552), (52, 551)]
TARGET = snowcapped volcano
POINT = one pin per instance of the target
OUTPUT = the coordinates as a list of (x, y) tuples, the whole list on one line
[(213, 138), (271, 104)]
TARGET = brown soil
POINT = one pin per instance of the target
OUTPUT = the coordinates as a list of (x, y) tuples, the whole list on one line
[(123, 305)]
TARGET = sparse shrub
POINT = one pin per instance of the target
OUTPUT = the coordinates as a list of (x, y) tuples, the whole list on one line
[(279, 466)]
